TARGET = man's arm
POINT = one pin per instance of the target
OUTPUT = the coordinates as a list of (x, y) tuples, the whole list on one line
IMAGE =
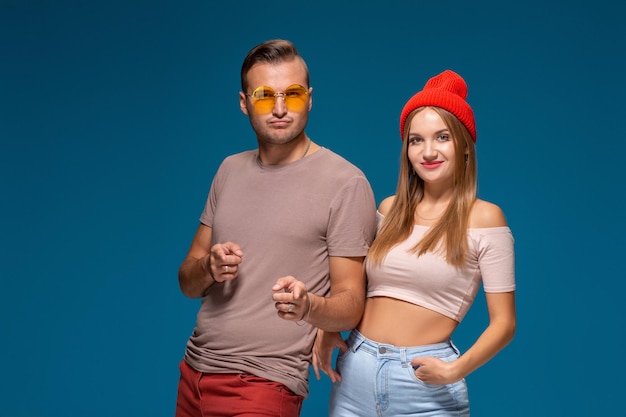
[(344, 308), (194, 274), (340, 311), (354, 213), (206, 264)]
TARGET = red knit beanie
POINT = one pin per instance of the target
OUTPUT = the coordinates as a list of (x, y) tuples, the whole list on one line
[(448, 91)]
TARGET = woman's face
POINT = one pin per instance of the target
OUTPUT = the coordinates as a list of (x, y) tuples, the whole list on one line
[(431, 149)]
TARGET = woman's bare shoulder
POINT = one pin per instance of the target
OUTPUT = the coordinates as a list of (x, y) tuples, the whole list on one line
[(386, 204), (485, 214)]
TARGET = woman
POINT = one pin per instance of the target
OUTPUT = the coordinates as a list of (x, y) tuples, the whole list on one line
[(435, 245)]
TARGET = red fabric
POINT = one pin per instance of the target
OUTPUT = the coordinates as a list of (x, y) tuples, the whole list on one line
[(447, 91), (230, 395)]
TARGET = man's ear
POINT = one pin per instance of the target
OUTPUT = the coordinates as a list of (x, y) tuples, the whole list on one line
[(243, 103)]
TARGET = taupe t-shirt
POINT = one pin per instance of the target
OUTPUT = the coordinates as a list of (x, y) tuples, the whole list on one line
[(288, 220)]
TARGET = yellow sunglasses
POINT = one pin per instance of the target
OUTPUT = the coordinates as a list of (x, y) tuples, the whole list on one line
[(264, 98)]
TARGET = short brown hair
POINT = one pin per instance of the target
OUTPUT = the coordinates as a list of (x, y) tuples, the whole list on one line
[(273, 51)]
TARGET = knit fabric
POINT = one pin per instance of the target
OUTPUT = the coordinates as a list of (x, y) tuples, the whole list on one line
[(447, 91)]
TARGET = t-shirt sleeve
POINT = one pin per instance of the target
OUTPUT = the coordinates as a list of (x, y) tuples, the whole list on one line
[(206, 218), (352, 221), (497, 259)]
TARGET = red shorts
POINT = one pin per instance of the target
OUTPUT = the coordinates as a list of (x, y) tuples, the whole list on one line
[(228, 395)]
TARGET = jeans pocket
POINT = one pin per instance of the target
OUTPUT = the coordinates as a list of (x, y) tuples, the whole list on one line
[(353, 346), (341, 356), (445, 356)]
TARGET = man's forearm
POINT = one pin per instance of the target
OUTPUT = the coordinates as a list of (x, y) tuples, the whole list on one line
[(194, 277), (337, 313)]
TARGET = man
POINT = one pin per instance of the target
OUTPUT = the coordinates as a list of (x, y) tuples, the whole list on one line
[(278, 253)]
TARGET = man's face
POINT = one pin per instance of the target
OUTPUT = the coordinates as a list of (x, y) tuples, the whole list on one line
[(284, 122)]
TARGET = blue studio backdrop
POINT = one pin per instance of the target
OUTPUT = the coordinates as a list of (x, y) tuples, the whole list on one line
[(114, 116)]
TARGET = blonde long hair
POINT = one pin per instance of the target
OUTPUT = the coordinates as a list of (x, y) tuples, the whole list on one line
[(451, 229)]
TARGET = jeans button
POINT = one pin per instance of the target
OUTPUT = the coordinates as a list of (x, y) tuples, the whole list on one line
[(382, 350)]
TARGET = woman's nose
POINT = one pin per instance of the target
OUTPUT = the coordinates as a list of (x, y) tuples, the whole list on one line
[(430, 150)]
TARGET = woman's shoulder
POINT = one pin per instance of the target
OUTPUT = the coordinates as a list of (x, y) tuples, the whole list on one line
[(485, 214), (385, 205)]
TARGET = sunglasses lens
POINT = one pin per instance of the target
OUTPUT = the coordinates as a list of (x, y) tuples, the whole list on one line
[(263, 93), (264, 98), (295, 97)]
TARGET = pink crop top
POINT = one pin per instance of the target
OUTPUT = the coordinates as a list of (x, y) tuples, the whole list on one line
[(429, 281)]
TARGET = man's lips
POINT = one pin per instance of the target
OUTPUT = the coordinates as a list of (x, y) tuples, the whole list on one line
[(280, 123)]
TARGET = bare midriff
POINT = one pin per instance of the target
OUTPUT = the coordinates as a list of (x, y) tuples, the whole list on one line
[(399, 323)]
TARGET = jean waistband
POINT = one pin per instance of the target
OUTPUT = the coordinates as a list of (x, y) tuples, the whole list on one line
[(356, 341)]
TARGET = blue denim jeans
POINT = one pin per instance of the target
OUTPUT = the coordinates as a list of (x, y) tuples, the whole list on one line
[(378, 380)]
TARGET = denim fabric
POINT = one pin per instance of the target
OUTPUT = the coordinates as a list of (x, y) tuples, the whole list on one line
[(378, 380)]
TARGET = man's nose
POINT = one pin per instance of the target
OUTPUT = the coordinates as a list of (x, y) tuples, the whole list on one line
[(280, 108)]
